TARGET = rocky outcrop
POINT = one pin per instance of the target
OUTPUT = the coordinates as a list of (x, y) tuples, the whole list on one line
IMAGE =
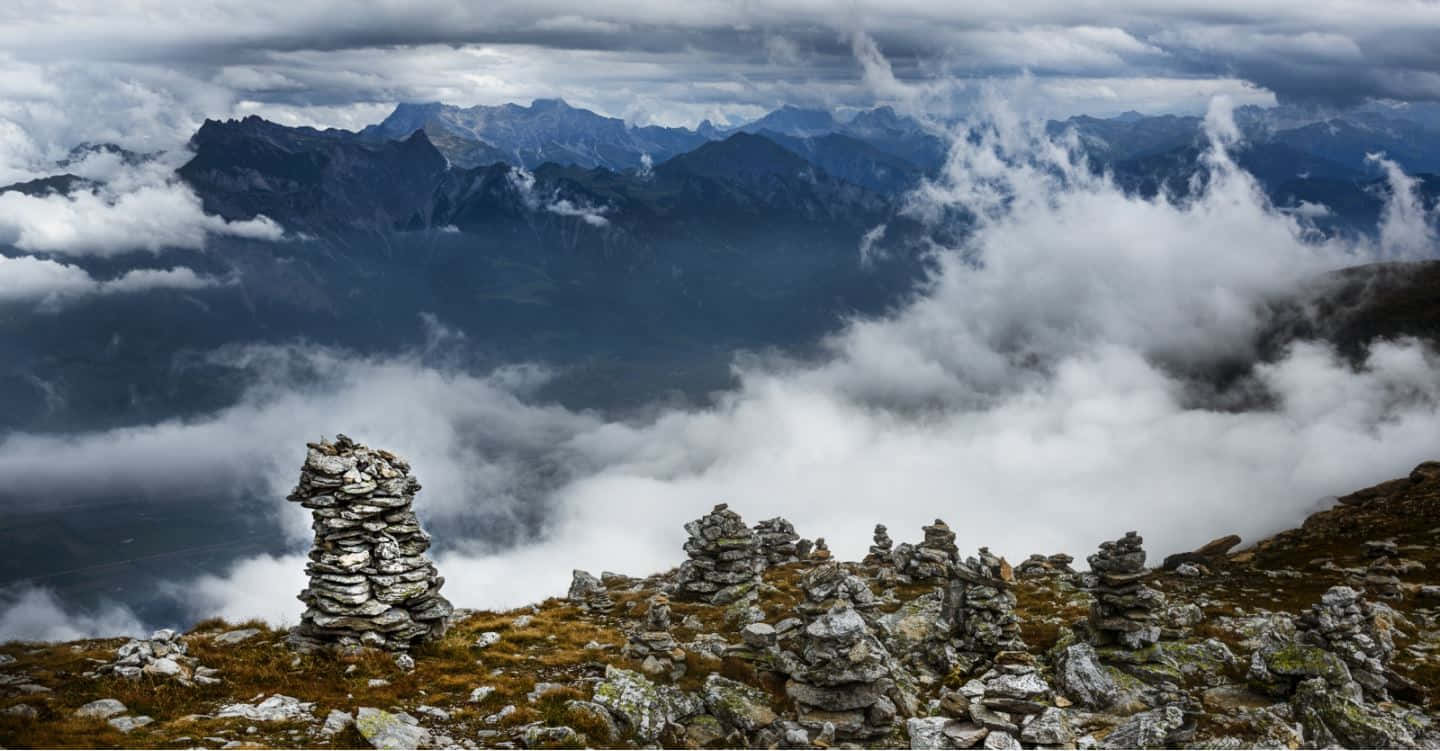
[(725, 558), (1124, 611), (371, 584), (589, 593)]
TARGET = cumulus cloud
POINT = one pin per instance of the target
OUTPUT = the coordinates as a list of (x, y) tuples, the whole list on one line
[(1044, 391), (52, 284), (36, 614)]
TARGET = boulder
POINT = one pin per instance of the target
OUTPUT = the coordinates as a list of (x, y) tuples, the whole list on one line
[(387, 730)]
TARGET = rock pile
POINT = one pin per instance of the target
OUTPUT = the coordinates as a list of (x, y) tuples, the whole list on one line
[(777, 541), (1343, 624), (1382, 575), (725, 560), (842, 680), (980, 608), (654, 644), (163, 655), (1124, 610), (370, 582), (931, 559), (1038, 565), (589, 593), (830, 584), (882, 549), (1012, 701)]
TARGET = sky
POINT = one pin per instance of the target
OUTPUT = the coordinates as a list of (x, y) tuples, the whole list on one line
[(146, 72)]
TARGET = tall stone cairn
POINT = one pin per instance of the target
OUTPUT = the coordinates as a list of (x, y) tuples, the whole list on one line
[(777, 541), (1344, 623), (881, 549), (1125, 610), (980, 608), (725, 559), (931, 559), (370, 582)]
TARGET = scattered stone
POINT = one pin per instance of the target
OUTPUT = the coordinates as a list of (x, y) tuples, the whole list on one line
[(725, 559), (277, 708), (127, 724), (481, 694), (371, 584), (1153, 729), (163, 655), (337, 722), (23, 711), (487, 639), (1081, 677), (594, 714), (101, 709), (740, 706), (404, 662), (230, 638), (390, 731)]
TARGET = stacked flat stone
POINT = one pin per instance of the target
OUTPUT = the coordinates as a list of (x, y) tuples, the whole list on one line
[(589, 593), (725, 561), (653, 643), (1013, 701), (1039, 566), (821, 551), (931, 559), (1124, 610), (883, 548), (777, 541), (979, 606), (370, 582), (1382, 578), (1343, 623), (841, 676)]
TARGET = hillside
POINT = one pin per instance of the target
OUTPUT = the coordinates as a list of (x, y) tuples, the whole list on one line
[(914, 647)]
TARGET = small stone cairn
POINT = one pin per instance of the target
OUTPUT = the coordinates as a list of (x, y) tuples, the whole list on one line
[(1125, 610), (654, 644), (1382, 575), (931, 559), (1343, 624), (163, 656), (777, 541), (1039, 566), (370, 582), (883, 548), (725, 559), (589, 593), (980, 608)]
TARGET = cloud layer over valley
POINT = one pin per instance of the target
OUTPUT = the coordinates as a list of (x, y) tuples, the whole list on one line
[(1051, 385)]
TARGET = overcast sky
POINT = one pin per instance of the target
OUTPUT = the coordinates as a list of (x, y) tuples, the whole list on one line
[(145, 72)]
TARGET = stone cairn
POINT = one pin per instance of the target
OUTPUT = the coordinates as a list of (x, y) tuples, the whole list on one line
[(589, 593), (1343, 624), (980, 608), (821, 551), (1038, 566), (882, 549), (1124, 610), (931, 559), (1382, 575), (777, 541), (725, 559), (370, 582), (841, 677), (653, 643)]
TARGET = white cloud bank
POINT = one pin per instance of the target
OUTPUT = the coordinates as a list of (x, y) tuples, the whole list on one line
[(52, 284), (1032, 395)]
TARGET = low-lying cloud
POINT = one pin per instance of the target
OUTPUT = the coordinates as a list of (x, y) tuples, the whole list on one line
[(1039, 393), (51, 285)]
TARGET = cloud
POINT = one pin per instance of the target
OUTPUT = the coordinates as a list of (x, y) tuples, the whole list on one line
[(52, 284), (103, 222), (1043, 391), (35, 614)]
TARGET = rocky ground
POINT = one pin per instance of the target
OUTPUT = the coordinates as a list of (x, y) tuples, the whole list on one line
[(1326, 635)]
